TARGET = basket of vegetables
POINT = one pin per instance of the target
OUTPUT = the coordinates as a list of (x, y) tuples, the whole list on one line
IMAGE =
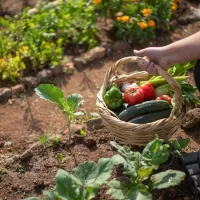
[(136, 107)]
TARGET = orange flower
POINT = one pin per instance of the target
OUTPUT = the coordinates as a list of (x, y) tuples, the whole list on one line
[(174, 6), (118, 18), (97, 1), (143, 25), (151, 23), (146, 12), (177, 1), (134, 0), (125, 18)]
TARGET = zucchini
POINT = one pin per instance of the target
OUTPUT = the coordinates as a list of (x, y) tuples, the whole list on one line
[(151, 117), (143, 108)]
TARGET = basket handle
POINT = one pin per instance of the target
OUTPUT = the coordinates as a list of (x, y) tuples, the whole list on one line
[(177, 89)]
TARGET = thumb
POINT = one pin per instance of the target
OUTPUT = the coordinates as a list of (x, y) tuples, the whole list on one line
[(140, 53)]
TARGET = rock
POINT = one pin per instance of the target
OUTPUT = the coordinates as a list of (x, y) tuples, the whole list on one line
[(26, 155), (5, 94), (192, 118), (17, 89), (44, 75), (95, 54), (94, 124), (57, 70), (11, 7), (69, 68), (80, 63), (29, 81), (121, 46)]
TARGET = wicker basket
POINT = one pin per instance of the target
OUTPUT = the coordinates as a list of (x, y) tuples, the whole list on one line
[(139, 134)]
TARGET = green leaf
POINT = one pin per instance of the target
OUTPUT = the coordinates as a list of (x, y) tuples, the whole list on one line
[(167, 179), (156, 151), (118, 190), (145, 172), (184, 142), (176, 145), (49, 195), (85, 172), (74, 101), (140, 193), (105, 167), (49, 92), (33, 198), (64, 186)]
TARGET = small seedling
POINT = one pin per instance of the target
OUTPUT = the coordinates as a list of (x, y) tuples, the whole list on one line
[(44, 139), (4, 171), (60, 157), (68, 105), (83, 132)]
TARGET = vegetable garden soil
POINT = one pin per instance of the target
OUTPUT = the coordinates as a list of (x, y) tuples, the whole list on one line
[(23, 119)]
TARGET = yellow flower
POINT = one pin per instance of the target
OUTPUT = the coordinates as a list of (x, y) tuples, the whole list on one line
[(118, 18), (143, 25), (151, 23), (174, 6), (146, 12), (25, 49), (125, 18), (97, 1)]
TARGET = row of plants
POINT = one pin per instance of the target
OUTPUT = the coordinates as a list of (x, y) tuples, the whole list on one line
[(138, 180), (31, 41)]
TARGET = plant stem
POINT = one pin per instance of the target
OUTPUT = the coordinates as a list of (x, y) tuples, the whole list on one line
[(68, 125)]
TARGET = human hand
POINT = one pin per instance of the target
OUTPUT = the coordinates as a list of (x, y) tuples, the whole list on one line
[(153, 55)]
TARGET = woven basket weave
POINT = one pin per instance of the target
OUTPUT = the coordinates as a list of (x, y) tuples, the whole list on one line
[(139, 134)]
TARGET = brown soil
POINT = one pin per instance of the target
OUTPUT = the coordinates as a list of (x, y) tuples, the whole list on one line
[(25, 118)]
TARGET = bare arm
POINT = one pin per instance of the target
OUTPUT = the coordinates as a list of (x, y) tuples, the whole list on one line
[(184, 50)]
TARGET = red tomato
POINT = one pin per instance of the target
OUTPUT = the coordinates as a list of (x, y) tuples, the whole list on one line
[(166, 98), (133, 95), (148, 90)]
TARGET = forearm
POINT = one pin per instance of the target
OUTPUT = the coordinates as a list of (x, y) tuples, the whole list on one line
[(184, 50)]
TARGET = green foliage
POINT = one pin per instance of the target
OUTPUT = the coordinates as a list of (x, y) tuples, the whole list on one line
[(84, 181), (68, 106), (138, 167), (31, 40)]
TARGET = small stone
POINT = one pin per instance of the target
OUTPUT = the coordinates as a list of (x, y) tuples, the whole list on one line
[(95, 124), (29, 81), (5, 94), (57, 70), (28, 153), (121, 46), (80, 63), (95, 54), (8, 144), (191, 119), (17, 89), (44, 75)]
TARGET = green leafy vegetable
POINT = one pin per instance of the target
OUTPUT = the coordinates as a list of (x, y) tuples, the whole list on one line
[(53, 94)]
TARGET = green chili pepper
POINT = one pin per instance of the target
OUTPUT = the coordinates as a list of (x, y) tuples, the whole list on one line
[(113, 97)]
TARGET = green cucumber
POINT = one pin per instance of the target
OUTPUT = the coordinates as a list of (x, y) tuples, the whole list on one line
[(143, 108), (151, 117)]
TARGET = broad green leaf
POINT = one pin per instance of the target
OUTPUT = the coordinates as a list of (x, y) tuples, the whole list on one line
[(74, 101), (105, 167), (140, 193), (85, 172), (49, 195), (64, 185), (156, 151), (145, 172), (167, 179), (184, 142), (91, 192), (49, 92), (118, 190), (33, 198)]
